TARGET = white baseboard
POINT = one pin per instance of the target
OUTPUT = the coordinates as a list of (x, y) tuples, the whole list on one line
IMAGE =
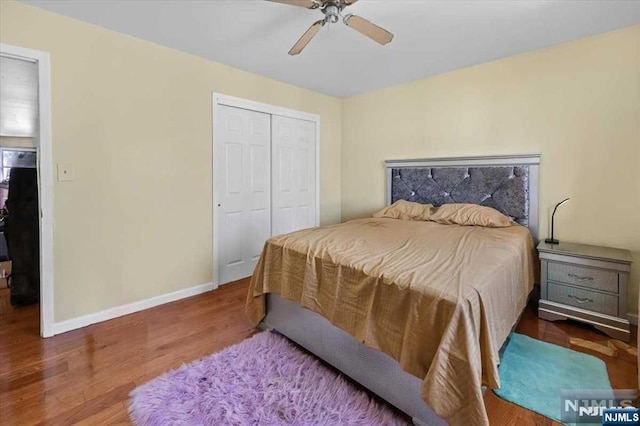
[(118, 311), (141, 305)]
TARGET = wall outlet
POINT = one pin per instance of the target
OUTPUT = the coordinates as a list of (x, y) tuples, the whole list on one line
[(65, 172)]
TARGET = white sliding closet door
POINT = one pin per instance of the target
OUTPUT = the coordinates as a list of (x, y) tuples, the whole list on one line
[(242, 173), (293, 198)]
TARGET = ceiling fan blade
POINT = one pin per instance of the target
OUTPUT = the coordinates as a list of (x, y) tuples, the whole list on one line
[(369, 29), (348, 2), (307, 36), (309, 4)]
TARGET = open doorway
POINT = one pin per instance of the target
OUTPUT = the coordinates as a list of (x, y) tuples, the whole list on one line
[(26, 190), (19, 222)]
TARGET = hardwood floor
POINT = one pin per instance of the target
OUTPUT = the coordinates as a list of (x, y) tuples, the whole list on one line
[(623, 371), (85, 376)]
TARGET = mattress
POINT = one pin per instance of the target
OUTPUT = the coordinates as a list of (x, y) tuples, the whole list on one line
[(439, 299)]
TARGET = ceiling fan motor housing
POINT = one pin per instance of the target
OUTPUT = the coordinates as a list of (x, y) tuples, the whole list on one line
[(332, 11)]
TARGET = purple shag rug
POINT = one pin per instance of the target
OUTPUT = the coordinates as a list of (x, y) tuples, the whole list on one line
[(264, 380)]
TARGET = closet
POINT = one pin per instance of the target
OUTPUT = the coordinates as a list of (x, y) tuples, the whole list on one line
[(264, 183)]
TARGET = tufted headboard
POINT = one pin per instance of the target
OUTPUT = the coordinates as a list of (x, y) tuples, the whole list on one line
[(507, 183)]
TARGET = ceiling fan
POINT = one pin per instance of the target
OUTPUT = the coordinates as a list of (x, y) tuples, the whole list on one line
[(332, 10)]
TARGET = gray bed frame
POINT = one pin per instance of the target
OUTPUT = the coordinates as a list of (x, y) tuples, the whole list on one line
[(507, 183)]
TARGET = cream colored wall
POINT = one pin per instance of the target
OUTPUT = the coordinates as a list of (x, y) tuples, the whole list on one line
[(578, 104), (134, 120)]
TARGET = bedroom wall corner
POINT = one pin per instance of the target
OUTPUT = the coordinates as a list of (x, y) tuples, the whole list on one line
[(578, 104), (134, 120)]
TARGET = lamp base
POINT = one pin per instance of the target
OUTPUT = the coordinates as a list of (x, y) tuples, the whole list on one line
[(551, 241)]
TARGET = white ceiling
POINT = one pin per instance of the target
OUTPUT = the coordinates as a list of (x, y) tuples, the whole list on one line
[(431, 37)]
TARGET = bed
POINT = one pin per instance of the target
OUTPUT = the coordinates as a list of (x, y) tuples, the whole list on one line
[(414, 311)]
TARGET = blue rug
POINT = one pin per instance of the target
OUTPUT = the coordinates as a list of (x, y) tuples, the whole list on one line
[(533, 374)]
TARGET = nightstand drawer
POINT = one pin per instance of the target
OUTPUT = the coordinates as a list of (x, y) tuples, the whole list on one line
[(585, 299), (583, 276)]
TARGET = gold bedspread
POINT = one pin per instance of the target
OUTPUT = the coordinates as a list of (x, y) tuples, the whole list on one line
[(439, 299)]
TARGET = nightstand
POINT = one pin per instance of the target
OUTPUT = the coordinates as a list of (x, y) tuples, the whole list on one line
[(585, 283)]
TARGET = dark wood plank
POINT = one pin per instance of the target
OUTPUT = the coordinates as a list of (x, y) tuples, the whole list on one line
[(11, 384), (92, 407)]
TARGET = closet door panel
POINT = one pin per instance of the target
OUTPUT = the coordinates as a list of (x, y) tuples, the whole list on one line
[(294, 180), (242, 176)]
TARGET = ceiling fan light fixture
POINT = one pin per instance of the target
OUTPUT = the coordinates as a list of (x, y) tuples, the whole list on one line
[(332, 13), (332, 10)]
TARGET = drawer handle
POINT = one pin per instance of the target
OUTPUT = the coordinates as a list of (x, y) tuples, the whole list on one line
[(579, 278), (580, 300)]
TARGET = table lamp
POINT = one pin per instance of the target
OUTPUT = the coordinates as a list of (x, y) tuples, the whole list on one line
[(553, 240)]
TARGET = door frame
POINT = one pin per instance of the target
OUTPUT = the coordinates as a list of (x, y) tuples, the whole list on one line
[(219, 100), (45, 179)]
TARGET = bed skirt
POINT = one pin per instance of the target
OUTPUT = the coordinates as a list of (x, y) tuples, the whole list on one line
[(374, 370)]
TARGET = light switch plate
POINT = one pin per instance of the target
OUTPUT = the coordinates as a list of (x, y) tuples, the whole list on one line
[(65, 172)]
